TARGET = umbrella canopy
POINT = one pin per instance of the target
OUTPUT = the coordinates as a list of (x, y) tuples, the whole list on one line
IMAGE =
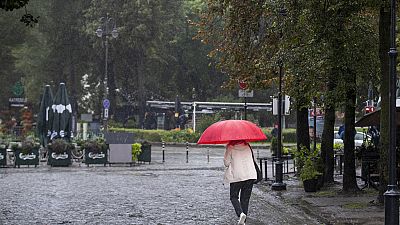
[(44, 120), (374, 119), (228, 130), (61, 126)]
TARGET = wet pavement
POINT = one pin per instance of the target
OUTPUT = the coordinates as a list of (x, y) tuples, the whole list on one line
[(174, 192)]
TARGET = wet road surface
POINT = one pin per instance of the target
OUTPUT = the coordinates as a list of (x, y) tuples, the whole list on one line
[(174, 192)]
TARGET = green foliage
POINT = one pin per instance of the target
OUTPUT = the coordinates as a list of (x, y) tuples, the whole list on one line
[(337, 147), (60, 145), (180, 136), (274, 145), (309, 170), (96, 146), (288, 135), (304, 154), (143, 135), (206, 121), (136, 150), (26, 146)]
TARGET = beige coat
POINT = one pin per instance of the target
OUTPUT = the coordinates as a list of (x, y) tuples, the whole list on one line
[(239, 165)]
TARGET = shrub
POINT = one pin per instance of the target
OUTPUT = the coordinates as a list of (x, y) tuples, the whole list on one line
[(95, 146), (136, 150), (180, 136), (26, 146), (59, 146), (206, 121), (309, 170)]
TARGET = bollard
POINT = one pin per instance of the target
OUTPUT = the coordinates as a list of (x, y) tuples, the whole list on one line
[(258, 153), (163, 152), (208, 154), (187, 152)]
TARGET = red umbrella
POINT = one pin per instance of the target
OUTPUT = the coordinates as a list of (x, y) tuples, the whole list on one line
[(228, 130)]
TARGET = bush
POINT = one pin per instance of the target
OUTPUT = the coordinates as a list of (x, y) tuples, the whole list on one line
[(309, 170), (180, 136), (136, 150), (143, 135), (288, 135), (206, 121)]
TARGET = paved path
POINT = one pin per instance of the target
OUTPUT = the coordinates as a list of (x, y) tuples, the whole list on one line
[(174, 192)]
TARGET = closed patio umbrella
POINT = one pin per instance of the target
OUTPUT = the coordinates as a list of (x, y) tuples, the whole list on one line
[(62, 115), (44, 117)]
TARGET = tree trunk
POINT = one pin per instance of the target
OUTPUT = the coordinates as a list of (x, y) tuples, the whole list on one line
[(302, 134), (384, 45), (349, 174), (141, 90), (327, 143)]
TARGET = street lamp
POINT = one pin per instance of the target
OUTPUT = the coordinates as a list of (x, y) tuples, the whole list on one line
[(392, 194), (278, 185), (104, 31)]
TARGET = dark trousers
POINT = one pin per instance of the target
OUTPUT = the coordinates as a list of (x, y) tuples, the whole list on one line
[(244, 188)]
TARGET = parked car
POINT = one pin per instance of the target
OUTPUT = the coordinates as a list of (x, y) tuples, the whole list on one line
[(358, 139)]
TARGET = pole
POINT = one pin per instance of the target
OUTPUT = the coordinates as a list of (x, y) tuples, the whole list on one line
[(392, 194), (106, 77), (194, 117), (279, 185), (315, 123), (245, 107), (163, 152), (187, 152)]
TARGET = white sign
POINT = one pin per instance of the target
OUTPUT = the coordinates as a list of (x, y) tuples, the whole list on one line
[(96, 155), (285, 106), (105, 113), (246, 93)]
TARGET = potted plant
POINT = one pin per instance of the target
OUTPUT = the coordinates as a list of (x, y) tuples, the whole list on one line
[(309, 175), (95, 151), (59, 152), (3, 155), (136, 150), (26, 153)]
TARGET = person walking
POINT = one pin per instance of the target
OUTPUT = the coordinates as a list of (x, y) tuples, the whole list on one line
[(240, 173)]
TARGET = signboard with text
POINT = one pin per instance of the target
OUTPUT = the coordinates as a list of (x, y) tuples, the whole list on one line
[(246, 93)]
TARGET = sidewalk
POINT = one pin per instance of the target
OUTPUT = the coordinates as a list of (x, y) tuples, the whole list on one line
[(330, 206)]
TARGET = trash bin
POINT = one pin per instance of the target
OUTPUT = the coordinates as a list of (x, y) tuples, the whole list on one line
[(145, 155)]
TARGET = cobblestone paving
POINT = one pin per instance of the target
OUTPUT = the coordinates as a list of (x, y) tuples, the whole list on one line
[(174, 192)]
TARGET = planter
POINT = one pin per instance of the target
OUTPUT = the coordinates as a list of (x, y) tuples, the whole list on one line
[(320, 181), (145, 155), (95, 158), (59, 159), (3, 157), (310, 185), (30, 158)]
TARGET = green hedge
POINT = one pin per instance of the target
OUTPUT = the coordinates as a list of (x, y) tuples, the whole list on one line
[(182, 136), (178, 136), (288, 135)]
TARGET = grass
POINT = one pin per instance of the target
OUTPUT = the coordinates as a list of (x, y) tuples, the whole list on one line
[(355, 205), (326, 194)]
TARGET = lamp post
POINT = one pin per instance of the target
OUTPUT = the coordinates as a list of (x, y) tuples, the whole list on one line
[(104, 31), (278, 185), (392, 194)]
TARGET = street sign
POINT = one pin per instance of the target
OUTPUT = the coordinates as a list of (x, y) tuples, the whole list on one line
[(105, 113), (246, 93), (106, 103), (242, 85), (285, 105)]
